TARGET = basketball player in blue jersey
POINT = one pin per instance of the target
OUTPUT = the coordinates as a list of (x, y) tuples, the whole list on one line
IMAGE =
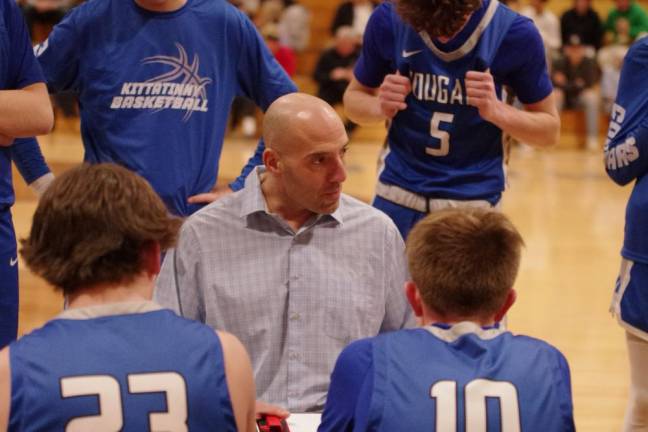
[(155, 80), (24, 110), (114, 360), (626, 160), (435, 69), (460, 372)]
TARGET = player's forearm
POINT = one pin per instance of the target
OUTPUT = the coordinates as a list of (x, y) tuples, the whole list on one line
[(539, 128), (25, 112), (362, 107)]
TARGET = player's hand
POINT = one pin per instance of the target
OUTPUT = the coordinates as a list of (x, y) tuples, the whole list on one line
[(5, 140), (480, 89), (266, 408), (211, 196), (392, 93)]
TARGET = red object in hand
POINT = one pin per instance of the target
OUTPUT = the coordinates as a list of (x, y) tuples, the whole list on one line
[(270, 423)]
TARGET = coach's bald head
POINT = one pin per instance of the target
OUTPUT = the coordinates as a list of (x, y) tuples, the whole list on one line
[(305, 145), (296, 118)]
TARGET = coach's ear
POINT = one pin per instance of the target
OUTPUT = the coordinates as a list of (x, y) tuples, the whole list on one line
[(414, 298), (271, 160), (510, 299), (151, 259)]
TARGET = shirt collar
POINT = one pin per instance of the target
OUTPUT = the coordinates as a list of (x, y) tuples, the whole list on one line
[(253, 201), (109, 309), (451, 333)]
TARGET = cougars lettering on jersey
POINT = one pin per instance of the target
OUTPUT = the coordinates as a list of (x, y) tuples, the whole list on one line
[(437, 88), (181, 88), (625, 153)]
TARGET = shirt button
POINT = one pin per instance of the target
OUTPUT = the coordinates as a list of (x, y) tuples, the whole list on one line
[(293, 356), (294, 316)]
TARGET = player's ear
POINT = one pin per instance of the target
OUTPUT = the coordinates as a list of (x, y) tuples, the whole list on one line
[(150, 257), (414, 298), (510, 299)]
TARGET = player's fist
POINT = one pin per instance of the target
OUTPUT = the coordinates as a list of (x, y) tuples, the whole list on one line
[(480, 88), (392, 93)]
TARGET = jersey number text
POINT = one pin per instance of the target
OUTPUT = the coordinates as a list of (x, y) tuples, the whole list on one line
[(111, 417)]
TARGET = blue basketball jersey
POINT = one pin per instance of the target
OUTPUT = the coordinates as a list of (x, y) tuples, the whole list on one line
[(129, 367), (440, 147), (18, 69), (155, 88), (457, 379), (626, 149)]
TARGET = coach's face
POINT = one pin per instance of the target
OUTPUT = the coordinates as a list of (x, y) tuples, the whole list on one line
[(313, 172)]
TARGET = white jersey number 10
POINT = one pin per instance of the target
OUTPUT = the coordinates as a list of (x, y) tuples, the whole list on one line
[(476, 392)]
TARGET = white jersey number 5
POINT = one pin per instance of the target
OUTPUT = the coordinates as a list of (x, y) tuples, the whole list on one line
[(111, 417), (441, 135), (476, 392)]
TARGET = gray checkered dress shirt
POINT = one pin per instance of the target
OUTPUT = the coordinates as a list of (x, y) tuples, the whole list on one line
[(295, 300)]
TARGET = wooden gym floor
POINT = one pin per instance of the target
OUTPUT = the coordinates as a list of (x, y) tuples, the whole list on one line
[(570, 214)]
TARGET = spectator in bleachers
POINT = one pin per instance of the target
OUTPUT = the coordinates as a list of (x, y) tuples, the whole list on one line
[(625, 22), (285, 55), (334, 68), (47, 12), (575, 76), (294, 26), (548, 25), (583, 21), (353, 13), (610, 60)]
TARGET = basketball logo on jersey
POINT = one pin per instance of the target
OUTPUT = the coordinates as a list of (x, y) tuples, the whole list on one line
[(179, 87)]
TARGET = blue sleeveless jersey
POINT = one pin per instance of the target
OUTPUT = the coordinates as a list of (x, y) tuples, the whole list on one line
[(440, 147), (155, 88), (626, 149), (136, 371), (439, 143), (458, 379)]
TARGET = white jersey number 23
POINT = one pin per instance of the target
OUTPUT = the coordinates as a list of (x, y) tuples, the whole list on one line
[(111, 417)]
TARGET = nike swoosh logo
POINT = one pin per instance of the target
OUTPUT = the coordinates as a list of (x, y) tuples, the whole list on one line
[(13, 261), (410, 53)]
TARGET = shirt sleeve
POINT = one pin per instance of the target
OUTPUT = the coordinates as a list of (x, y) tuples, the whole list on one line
[(178, 286), (59, 54), (26, 154), (626, 150), (260, 78), (23, 67), (526, 72), (349, 395), (398, 313), (376, 60)]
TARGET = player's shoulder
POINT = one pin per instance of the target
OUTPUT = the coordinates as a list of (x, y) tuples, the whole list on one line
[(522, 31), (382, 16), (638, 52), (357, 356), (531, 345)]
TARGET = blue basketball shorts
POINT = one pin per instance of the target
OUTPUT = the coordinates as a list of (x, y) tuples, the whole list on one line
[(630, 298), (8, 280)]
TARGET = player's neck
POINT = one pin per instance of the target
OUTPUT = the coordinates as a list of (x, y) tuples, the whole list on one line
[(161, 5), (140, 289), (431, 317), (446, 39)]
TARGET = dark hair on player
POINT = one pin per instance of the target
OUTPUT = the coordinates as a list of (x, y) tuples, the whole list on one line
[(91, 226), (436, 17), (464, 261)]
